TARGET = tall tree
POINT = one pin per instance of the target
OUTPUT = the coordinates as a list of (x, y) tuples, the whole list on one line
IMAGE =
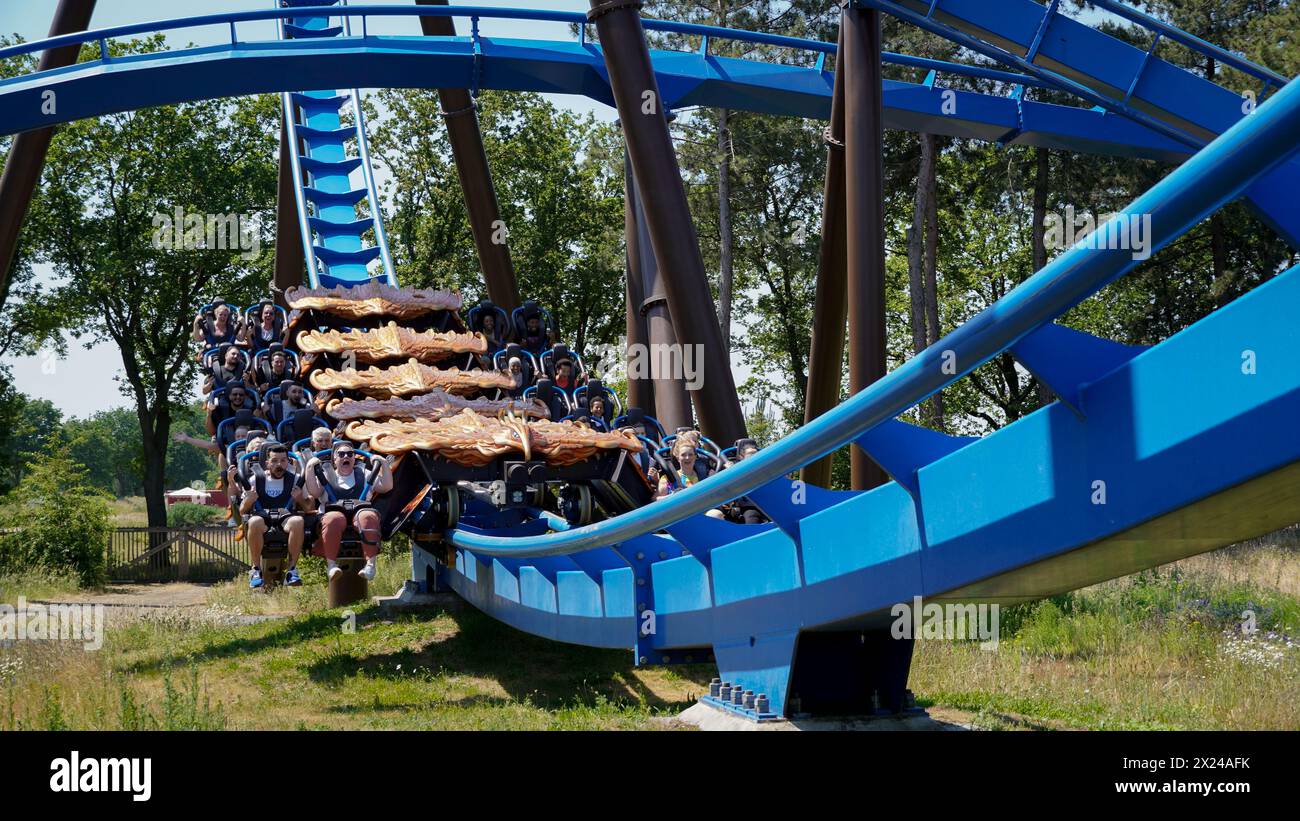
[(27, 426), (124, 276), (930, 258), (726, 271)]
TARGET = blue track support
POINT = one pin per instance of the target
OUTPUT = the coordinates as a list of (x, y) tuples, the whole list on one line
[(1108, 72), (1067, 361), (334, 237), (902, 449)]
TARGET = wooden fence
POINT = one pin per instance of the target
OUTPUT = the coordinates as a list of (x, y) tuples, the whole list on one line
[(164, 554)]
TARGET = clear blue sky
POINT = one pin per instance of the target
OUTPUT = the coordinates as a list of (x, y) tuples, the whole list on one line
[(84, 382)]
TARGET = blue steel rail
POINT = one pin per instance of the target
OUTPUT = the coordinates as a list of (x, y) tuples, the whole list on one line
[(326, 197), (98, 87)]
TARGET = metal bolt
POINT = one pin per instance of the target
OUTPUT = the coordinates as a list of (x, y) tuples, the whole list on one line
[(737, 696), (663, 555), (724, 692), (642, 660), (715, 687), (640, 582), (749, 700), (761, 704), (640, 556), (640, 606), (665, 661)]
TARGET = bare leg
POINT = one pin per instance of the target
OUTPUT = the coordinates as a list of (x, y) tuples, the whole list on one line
[(294, 527)]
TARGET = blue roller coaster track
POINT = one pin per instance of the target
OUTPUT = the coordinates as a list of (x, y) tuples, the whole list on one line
[(327, 206), (1150, 454)]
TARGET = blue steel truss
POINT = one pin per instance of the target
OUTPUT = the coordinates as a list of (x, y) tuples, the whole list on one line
[(103, 86)]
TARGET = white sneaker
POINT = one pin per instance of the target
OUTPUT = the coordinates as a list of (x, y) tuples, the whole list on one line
[(332, 568), (368, 572)]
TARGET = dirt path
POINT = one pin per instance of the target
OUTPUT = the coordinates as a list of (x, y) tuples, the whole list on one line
[(172, 594)]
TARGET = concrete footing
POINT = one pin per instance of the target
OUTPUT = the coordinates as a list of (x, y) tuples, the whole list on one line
[(706, 717), (409, 597)]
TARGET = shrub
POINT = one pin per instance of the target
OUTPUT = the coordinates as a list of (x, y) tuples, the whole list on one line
[(61, 522), (188, 514)]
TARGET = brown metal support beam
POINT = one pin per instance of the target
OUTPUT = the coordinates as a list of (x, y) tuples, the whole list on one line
[(26, 160), (461, 117), (290, 265), (864, 212), (672, 403), (826, 353), (640, 391), (667, 215)]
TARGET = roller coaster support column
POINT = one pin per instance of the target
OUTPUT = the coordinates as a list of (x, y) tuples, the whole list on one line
[(826, 353), (640, 390), (672, 404), (290, 264), (672, 233), (26, 158), (461, 115), (864, 210)]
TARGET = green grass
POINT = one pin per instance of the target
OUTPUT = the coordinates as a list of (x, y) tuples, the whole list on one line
[(34, 584), (129, 511), (443, 669), (1164, 649)]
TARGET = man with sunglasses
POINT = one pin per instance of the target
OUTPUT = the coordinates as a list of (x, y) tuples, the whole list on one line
[(343, 478)]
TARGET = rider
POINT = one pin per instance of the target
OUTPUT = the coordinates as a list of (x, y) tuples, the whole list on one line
[(241, 472), (237, 399), (489, 331), (266, 330), (322, 439), (689, 469), (536, 339), (228, 367), (515, 370), (345, 479), (219, 329), (599, 410), (743, 510), (275, 488), (564, 379), (273, 368), (292, 398)]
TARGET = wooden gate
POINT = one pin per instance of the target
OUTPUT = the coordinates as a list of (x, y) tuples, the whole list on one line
[(164, 554)]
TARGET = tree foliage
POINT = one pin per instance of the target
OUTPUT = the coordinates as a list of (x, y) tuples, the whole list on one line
[(60, 522), (559, 181), (105, 182)]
